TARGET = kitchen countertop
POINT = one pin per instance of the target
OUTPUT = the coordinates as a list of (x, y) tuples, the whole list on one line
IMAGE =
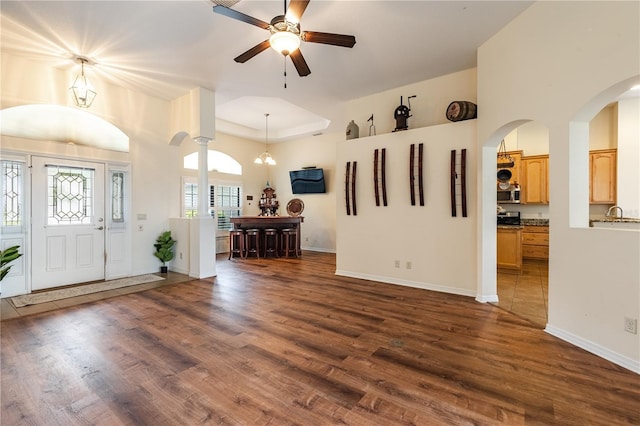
[(616, 220), (535, 222), (510, 226)]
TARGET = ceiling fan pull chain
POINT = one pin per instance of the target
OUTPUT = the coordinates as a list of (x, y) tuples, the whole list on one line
[(285, 72)]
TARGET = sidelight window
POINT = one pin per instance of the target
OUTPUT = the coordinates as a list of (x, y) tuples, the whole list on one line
[(12, 193)]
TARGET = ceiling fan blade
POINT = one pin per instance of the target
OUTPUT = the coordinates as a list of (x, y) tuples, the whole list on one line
[(252, 52), (328, 38), (296, 9), (300, 63), (234, 14)]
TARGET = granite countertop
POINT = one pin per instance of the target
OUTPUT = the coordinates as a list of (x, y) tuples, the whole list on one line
[(534, 222), (616, 220), (510, 226)]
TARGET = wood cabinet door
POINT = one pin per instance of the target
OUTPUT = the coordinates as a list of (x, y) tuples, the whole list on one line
[(535, 184), (509, 248), (602, 172)]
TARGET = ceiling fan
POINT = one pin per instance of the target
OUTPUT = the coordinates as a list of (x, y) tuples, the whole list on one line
[(286, 34)]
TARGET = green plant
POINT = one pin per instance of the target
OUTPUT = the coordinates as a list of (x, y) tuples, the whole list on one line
[(7, 256), (164, 247)]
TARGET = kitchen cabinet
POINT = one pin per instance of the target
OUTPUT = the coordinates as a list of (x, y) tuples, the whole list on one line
[(509, 247), (602, 176), (535, 179), (535, 242)]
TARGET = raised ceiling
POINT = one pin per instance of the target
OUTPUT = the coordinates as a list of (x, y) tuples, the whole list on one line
[(165, 48)]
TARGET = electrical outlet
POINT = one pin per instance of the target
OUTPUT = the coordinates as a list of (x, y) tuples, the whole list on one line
[(409, 265), (631, 325), (397, 263)]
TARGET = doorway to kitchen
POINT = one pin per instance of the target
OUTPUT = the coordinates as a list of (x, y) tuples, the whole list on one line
[(522, 279)]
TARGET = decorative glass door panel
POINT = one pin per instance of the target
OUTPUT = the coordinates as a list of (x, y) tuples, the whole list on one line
[(68, 222)]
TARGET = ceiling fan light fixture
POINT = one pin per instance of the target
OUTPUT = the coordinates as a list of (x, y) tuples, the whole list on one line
[(82, 90), (284, 42)]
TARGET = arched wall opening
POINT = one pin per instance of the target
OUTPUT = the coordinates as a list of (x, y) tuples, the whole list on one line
[(627, 146)]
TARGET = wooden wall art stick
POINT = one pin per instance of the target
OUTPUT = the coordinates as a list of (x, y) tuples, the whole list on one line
[(375, 177), (412, 176), (412, 173), (353, 188), (347, 177), (420, 174), (384, 176), (453, 183), (463, 181)]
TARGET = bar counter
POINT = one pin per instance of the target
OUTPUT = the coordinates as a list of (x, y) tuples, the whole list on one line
[(277, 222)]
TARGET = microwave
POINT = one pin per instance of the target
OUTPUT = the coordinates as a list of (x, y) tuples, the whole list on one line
[(510, 195)]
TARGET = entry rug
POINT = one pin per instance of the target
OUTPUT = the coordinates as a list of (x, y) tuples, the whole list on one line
[(64, 293)]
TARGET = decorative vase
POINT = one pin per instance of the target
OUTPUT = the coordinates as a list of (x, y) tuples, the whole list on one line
[(164, 269), (353, 131)]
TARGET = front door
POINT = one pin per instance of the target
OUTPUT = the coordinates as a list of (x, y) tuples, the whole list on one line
[(67, 222)]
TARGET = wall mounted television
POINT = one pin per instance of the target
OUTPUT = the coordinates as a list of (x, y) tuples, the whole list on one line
[(307, 181)]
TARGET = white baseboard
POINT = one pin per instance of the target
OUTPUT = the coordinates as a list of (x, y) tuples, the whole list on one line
[(406, 283), (594, 348)]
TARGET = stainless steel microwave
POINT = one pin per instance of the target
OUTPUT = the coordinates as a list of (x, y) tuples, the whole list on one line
[(509, 195)]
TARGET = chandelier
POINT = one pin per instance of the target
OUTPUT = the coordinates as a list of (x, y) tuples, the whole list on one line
[(265, 157), (83, 93)]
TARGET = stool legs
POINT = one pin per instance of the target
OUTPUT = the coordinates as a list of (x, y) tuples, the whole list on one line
[(236, 243), (270, 241), (252, 242), (290, 242)]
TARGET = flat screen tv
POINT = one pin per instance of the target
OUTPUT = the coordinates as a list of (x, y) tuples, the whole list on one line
[(307, 181)]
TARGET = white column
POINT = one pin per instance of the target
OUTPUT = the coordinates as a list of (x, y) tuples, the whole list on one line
[(203, 176), (202, 232)]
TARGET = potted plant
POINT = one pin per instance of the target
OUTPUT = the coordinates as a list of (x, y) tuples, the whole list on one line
[(164, 249), (7, 256)]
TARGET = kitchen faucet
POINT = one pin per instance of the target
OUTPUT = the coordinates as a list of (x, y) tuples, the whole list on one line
[(611, 209)]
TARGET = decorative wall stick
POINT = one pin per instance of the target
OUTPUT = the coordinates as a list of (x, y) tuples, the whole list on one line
[(420, 174), (380, 175), (412, 177), (347, 197), (353, 188), (463, 181), (375, 177), (384, 176), (412, 173), (453, 183)]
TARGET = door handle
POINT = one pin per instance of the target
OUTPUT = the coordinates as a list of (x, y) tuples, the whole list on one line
[(100, 228)]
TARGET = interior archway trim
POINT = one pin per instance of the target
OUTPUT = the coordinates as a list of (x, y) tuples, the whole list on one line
[(62, 124)]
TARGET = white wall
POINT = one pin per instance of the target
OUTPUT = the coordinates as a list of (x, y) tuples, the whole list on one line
[(560, 63), (439, 247), (319, 226)]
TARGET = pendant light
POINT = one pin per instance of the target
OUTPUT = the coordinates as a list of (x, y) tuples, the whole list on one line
[(83, 93), (265, 157)]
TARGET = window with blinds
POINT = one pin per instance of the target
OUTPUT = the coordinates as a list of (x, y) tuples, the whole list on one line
[(225, 202)]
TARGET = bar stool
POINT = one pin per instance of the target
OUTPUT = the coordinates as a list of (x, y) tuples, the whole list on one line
[(252, 242), (270, 240), (290, 242), (236, 243)]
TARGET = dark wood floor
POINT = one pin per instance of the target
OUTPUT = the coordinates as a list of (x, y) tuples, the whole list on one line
[(285, 341)]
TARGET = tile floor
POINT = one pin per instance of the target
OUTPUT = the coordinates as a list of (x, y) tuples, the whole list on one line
[(526, 293)]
